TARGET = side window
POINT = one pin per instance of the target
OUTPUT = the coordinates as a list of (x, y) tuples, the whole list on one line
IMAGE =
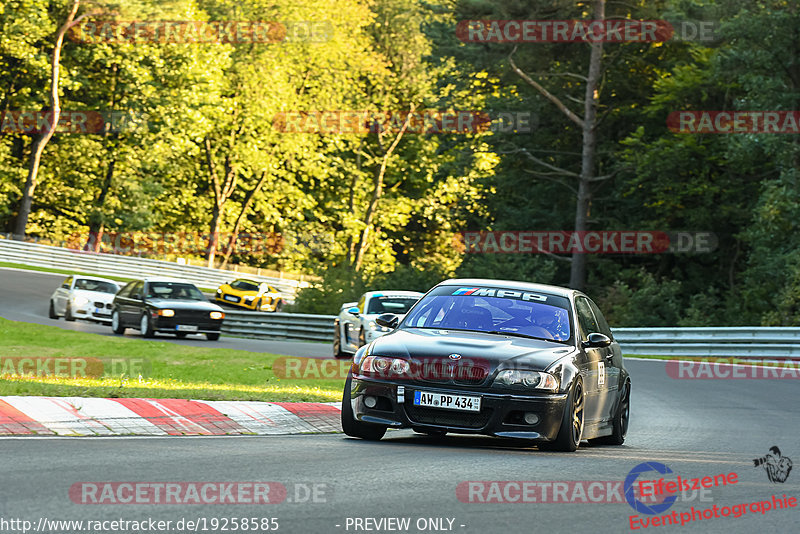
[(66, 283), (361, 304), (586, 317), (601, 321), (137, 289), (126, 291)]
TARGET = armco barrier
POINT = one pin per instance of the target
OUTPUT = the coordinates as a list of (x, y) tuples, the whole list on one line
[(743, 342), (127, 266), (737, 341), (297, 326)]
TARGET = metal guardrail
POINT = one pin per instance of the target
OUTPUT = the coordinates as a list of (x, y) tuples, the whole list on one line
[(735, 341), (297, 326), (127, 267), (743, 342)]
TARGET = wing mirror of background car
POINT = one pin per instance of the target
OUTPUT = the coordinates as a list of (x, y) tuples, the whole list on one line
[(353, 310), (597, 341), (389, 320), (136, 296)]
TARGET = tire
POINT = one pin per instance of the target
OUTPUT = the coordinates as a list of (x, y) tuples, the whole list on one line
[(116, 323), (212, 336), (52, 312), (68, 313), (145, 326), (354, 428), (278, 306), (572, 422), (621, 419), (337, 345)]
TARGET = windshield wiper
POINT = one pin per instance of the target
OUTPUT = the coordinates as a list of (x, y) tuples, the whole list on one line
[(517, 334)]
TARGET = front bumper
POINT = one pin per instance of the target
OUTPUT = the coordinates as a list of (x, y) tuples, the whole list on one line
[(501, 414), (91, 312), (253, 305), (169, 325)]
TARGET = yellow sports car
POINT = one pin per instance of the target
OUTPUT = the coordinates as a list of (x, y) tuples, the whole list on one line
[(251, 295)]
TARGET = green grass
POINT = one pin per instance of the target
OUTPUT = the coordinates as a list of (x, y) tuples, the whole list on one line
[(174, 371)]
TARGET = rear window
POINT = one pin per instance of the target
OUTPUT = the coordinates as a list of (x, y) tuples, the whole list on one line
[(497, 310)]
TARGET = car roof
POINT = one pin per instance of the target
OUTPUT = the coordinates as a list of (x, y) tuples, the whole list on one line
[(510, 284), (256, 282), (392, 292), (95, 278), (165, 279)]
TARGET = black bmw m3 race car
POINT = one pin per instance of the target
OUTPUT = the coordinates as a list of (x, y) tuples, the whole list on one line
[(493, 357)]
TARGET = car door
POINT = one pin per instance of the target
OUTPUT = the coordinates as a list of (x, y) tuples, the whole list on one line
[(351, 324), (62, 295), (613, 362), (131, 305), (595, 380)]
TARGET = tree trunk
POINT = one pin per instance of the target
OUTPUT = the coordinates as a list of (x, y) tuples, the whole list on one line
[(237, 226), (377, 191), (577, 278), (222, 192), (38, 146)]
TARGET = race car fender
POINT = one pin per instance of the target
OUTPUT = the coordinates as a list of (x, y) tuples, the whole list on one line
[(565, 370)]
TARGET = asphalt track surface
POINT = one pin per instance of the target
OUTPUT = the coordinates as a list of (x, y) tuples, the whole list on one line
[(25, 296), (695, 427)]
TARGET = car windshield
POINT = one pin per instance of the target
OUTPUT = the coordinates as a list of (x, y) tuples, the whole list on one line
[(501, 311), (244, 285), (389, 304), (96, 285), (174, 291)]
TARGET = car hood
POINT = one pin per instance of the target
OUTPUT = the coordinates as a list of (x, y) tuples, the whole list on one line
[(493, 350), (180, 304)]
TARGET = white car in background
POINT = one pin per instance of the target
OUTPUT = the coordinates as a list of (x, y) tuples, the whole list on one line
[(355, 325), (84, 297)]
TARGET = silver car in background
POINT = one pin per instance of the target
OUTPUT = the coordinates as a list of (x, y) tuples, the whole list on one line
[(355, 325)]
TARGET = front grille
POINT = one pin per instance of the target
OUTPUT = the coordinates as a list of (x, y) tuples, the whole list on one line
[(101, 305), (441, 371), (434, 416), (191, 315)]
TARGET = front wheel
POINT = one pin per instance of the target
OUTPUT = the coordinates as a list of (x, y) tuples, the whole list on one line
[(621, 418), (569, 435), (116, 324), (212, 336), (68, 313), (52, 312), (362, 338), (145, 326), (354, 428)]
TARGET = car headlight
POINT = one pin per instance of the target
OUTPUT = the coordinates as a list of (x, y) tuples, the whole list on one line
[(216, 315), (382, 366), (80, 300), (219, 292), (375, 327), (166, 313), (526, 379)]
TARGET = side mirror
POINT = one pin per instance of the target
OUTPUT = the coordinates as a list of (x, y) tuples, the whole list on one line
[(353, 310), (389, 320), (136, 296), (597, 341)]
